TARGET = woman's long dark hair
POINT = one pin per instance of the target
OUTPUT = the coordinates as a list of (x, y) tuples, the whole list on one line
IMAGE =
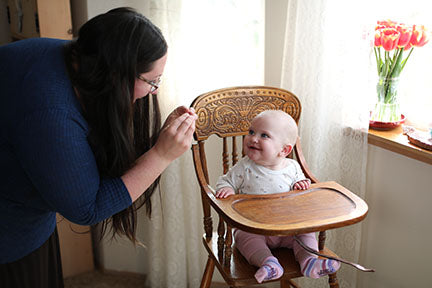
[(111, 50)]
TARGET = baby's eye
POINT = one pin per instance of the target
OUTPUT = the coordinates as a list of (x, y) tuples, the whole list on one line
[(251, 132), (264, 135)]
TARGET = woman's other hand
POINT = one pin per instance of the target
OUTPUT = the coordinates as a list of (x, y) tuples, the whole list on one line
[(177, 133)]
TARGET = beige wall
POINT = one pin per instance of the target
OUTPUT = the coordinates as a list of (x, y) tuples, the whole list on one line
[(397, 231), (82, 10)]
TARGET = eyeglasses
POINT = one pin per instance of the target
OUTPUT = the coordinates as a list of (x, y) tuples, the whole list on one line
[(154, 84)]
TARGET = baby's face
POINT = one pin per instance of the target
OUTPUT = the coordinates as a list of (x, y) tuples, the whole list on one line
[(264, 142)]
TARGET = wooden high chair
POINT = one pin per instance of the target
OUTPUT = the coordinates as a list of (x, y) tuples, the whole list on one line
[(227, 113)]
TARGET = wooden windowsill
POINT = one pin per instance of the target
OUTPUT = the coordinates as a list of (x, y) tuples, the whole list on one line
[(394, 140)]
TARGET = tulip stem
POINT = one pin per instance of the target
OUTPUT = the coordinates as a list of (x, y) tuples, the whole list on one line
[(396, 66), (378, 58), (406, 59)]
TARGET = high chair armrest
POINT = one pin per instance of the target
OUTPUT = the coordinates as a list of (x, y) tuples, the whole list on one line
[(302, 162)]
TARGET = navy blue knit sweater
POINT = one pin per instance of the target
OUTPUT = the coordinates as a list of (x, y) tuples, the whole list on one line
[(46, 163)]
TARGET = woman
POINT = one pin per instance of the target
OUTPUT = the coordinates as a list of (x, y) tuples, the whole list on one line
[(80, 135)]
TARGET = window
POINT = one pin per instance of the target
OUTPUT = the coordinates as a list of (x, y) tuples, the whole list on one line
[(415, 86)]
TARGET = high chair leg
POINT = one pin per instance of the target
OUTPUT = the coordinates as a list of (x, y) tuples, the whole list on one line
[(208, 273), (333, 281)]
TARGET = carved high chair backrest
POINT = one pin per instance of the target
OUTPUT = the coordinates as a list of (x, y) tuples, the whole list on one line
[(228, 113)]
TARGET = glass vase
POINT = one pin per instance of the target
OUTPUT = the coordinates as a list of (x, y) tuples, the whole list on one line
[(387, 106)]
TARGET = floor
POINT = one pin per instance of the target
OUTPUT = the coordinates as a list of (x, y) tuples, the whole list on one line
[(97, 279)]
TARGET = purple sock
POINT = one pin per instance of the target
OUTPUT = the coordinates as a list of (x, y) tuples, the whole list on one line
[(270, 269), (316, 268)]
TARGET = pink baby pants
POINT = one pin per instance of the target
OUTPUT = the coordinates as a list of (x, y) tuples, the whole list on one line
[(255, 248)]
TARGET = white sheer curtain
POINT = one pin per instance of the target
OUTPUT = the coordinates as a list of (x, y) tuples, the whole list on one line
[(212, 44), (326, 65)]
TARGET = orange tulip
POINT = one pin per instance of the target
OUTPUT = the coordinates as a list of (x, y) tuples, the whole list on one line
[(394, 38), (387, 23), (408, 46), (405, 35), (420, 36), (389, 38), (379, 27), (377, 41)]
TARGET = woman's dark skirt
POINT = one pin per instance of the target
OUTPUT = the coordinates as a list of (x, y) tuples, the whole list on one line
[(40, 269)]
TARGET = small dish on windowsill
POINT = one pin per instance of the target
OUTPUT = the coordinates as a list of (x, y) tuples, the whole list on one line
[(378, 125), (422, 139)]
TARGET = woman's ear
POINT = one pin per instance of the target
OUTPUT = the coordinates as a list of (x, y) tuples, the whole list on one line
[(286, 150)]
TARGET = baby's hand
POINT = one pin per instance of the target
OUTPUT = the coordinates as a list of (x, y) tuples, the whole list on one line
[(302, 185), (224, 192)]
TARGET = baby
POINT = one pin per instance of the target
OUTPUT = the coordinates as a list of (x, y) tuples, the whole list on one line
[(266, 169)]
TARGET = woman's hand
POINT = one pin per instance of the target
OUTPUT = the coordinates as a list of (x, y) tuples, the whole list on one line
[(175, 138), (177, 113), (176, 134)]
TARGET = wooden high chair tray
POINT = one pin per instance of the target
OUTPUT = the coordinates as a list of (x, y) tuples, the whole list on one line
[(323, 206)]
